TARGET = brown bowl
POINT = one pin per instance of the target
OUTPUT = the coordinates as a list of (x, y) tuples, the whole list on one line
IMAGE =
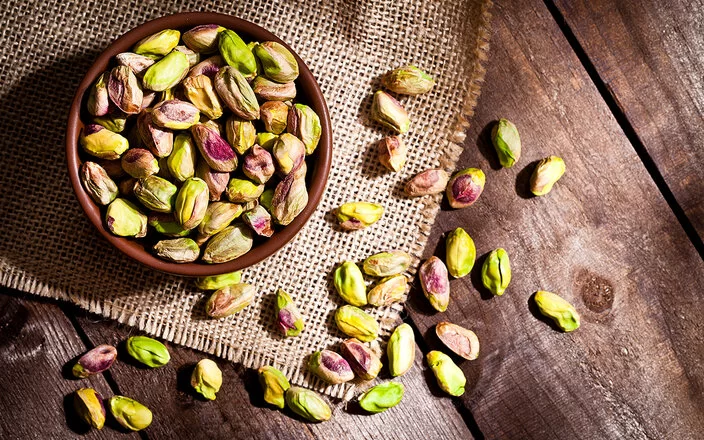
[(318, 163)]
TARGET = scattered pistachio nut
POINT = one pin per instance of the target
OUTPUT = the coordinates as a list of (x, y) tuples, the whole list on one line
[(401, 350), (274, 384), (387, 111), (364, 362), (356, 323), (243, 190), (288, 319), (136, 62), (206, 378), (215, 282), (228, 244), (381, 397), (385, 264), (229, 300), (304, 123), (433, 181), (125, 220), (507, 142), (387, 291), (349, 283), (129, 413), (330, 367), (392, 153), (460, 253), (461, 341), (435, 283), (178, 250), (148, 351), (95, 361), (408, 80), (546, 174), (450, 377), (307, 404), (496, 271), (558, 309), (290, 197), (358, 215), (99, 186), (465, 187), (89, 407)]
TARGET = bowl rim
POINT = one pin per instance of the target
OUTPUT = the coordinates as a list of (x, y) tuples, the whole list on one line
[(319, 172)]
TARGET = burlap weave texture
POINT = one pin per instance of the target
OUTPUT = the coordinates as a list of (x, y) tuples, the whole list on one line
[(49, 248)]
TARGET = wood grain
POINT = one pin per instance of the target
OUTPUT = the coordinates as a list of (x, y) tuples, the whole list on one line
[(239, 411), (604, 239), (649, 55), (37, 346)]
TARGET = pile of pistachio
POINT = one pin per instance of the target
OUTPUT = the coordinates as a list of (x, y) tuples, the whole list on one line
[(188, 145), (206, 379)]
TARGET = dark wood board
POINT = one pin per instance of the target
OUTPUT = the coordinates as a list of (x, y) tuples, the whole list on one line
[(650, 55), (605, 239)]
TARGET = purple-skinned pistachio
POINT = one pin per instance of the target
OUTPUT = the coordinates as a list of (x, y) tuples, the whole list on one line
[(199, 90), (268, 90), (124, 90), (216, 180), (258, 165), (304, 123), (148, 98), (364, 362), (208, 67), (98, 99), (330, 367), (95, 361), (236, 93), (203, 38), (465, 187), (392, 153), (160, 141), (274, 116), (240, 133), (435, 282), (290, 196), (175, 114), (100, 142), (259, 220), (387, 111), (352, 216), (139, 163), (288, 319), (289, 152), (432, 181), (101, 188), (138, 63), (461, 341), (214, 149)]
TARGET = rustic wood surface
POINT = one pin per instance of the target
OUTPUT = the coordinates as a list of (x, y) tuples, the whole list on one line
[(612, 87)]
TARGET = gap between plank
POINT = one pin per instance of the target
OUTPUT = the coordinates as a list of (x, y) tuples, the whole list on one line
[(627, 128)]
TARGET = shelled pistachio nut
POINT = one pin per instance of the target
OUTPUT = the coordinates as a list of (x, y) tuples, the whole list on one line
[(97, 141), (99, 186), (435, 282), (546, 174), (236, 53), (330, 367), (558, 309), (364, 362), (450, 377), (167, 72), (358, 215), (124, 219), (98, 99), (392, 153), (408, 80), (181, 163), (304, 123), (136, 62), (274, 384), (155, 193), (290, 197), (215, 282), (206, 378), (258, 165), (259, 220), (129, 413), (229, 300), (178, 250), (218, 216), (349, 283), (381, 397), (167, 225), (433, 181), (266, 198), (216, 180), (89, 407), (175, 114), (278, 63), (267, 90), (95, 361), (139, 163), (126, 185), (208, 67), (387, 111), (461, 341), (507, 142), (307, 404), (288, 319), (236, 93), (465, 187), (385, 264), (203, 38), (460, 253), (191, 203), (387, 291), (356, 323), (113, 122), (193, 56), (216, 152), (200, 91), (288, 152), (228, 244), (160, 141), (124, 90), (274, 115), (158, 44), (148, 351), (243, 190), (401, 350), (496, 272)]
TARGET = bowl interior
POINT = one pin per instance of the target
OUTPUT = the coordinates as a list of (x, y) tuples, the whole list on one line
[(318, 163)]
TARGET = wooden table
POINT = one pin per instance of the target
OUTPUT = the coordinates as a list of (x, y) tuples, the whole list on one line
[(615, 88)]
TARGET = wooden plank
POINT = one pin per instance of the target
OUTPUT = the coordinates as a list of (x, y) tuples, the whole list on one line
[(239, 412), (37, 346), (605, 239), (649, 54)]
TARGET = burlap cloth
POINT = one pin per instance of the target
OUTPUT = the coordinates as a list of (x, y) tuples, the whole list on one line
[(49, 248)]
